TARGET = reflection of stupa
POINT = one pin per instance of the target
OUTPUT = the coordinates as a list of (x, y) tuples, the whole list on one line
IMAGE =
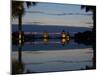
[(45, 40), (45, 37), (64, 37)]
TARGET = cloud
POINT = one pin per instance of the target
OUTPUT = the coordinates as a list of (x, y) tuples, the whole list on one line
[(33, 22), (88, 22), (58, 14), (40, 12)]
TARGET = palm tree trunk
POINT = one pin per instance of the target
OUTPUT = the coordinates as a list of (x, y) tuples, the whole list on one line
[(20, 39)]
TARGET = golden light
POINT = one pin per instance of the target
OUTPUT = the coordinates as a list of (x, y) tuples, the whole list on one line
[(45, 40), (63, 35), (67, 37), (19, 41), (45, 35), (19, 36), (63, 40)]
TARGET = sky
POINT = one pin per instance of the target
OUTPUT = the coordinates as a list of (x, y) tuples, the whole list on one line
[(56, 14)]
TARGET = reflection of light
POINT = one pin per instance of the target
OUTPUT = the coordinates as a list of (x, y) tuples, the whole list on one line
[(19, 38), (63, 41), (19, 41), (67, 37), (45, 41)]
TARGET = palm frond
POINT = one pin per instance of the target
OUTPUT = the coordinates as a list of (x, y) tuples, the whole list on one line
[(30, 4), (18, 7), (88, 8)]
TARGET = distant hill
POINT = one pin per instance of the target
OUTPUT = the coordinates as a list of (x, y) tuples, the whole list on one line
[(48, 28)]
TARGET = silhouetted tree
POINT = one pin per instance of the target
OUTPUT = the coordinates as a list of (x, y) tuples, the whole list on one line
[(16, 67), (18, 10), (84, 37), (93, 10)]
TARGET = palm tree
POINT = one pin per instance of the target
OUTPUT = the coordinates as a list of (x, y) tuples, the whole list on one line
[(93, 10), (18, 11)]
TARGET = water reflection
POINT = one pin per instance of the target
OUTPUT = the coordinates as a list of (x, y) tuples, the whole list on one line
[(58, 52), (48, 41), (56, 60)]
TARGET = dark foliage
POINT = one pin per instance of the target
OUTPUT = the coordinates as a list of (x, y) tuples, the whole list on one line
[(84, 38)]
